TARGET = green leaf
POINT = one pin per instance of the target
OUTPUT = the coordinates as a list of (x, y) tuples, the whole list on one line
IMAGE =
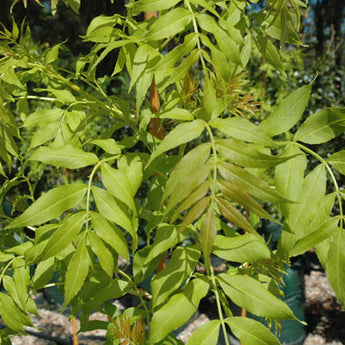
[(182, 191), (208, 231), (181, 134), (269, 52), (289, 176), (43, 273), (108, 145), (176, 114), (42, 118), (234, 216), (152, 5), (323, 231), (288, 112), (195, 213), (335, 267), (242, 129), (322, 126), (224, 40), (118, 184), (193, 159), (180, 72), (169, 60), (250, 294), (170, 24), (165, 238), (181, 265), (104, 255), (112, 209), (64, 235), (77, 271), (13, 316), (66, 156), (337, 160), (241, 248), (110, 234), (247, 155), (250, 183), (194, 197), (236, 194), (251, 332), (311, 195), (206, 334), (51, 205), (187, 300)]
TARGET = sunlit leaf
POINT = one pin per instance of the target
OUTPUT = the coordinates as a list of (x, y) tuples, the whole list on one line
[(109, 233), (182, 263), (187, 300), (206, 334), (335, 267), (242, 129), (322, 126), (171, 23), (251, 332), (64, 235), (251, 295), (337, 160), (66, 156), (51, 205), (77, 271), (288, 112), (242, 248)]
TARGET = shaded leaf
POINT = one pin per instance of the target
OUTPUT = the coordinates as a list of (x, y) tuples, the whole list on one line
[(247, 155), (250, 183), (193, 159), (239, 196), (234, 216), (194, 213), (208, 231)]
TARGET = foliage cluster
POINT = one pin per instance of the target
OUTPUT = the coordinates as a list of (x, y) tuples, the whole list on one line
[(193, 174)]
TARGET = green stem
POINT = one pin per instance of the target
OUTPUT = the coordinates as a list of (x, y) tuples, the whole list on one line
[(214, 152), (196, 30), (5, 269), (219, 306), (329, 170)]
